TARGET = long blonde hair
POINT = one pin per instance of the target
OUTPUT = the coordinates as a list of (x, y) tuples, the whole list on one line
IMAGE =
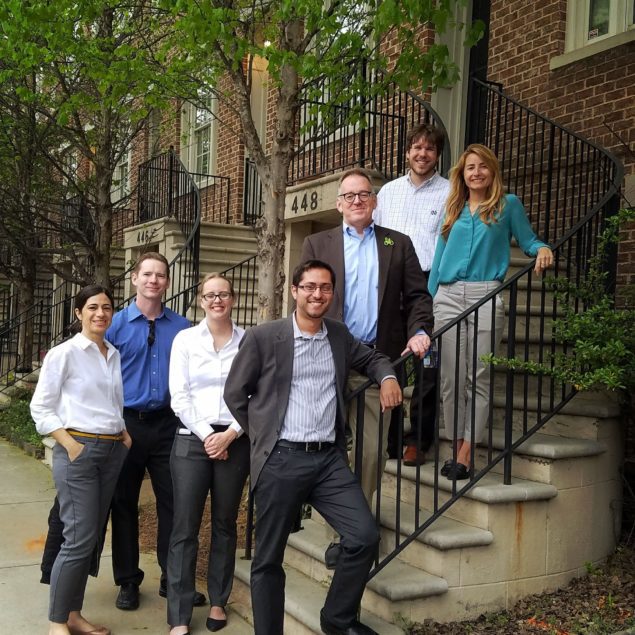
[(459, 192)]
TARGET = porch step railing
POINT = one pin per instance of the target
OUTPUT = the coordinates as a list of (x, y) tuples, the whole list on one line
[(48, 321), (376, 142), (570, 187)]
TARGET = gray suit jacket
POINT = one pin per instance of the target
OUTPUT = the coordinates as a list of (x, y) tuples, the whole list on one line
[(404, 304), (258, 385)]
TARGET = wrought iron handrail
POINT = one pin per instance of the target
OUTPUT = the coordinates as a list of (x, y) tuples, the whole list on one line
[(51, 317), (570, 186), (376, 142), (243, 277), (252, 194), (575, 237)]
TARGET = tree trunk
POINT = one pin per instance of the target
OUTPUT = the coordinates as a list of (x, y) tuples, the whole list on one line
[(103, 204), (26, 308), (270, 230)]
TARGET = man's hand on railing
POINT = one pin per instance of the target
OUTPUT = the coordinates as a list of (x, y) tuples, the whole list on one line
[(418, 344), (389, 394)]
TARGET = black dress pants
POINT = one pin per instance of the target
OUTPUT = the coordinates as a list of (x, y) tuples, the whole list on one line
[(323, 479), (152, 438)]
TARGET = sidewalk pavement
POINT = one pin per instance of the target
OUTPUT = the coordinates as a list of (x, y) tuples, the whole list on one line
[(26, 495)]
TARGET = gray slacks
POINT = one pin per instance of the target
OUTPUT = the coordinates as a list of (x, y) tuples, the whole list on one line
[(464, 385), (194, 475), (84, 489)]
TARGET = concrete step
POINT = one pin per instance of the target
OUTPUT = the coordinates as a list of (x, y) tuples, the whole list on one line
[(398, 581), (476, 506), (558, 461), (304, 597), (440, 548)]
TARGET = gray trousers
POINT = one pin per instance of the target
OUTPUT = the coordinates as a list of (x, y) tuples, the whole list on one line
[(194, 475), (466, 386), (84, 489)]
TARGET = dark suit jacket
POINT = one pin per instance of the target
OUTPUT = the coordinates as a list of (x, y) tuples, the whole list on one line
[(404, 304), (258, 385)]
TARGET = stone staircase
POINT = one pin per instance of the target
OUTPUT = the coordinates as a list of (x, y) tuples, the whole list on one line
[(496, 544)]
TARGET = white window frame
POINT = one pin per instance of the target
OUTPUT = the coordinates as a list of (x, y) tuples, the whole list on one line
[(120, 187), (193, 160), (578, 44)]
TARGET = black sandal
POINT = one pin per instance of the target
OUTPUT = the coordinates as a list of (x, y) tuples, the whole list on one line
[(447, 466)]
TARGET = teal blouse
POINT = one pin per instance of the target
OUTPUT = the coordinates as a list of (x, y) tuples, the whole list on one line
[(479, 252)]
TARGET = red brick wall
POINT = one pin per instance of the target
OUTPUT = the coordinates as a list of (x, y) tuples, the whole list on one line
[(594, 96)]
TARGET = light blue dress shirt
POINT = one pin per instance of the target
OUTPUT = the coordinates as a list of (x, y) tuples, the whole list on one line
[(479, 252), (361, 280)]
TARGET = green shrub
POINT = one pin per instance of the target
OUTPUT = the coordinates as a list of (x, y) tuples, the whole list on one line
[(16, 423)]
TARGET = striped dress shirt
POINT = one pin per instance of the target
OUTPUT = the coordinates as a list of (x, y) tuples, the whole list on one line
[(416, 211), (312, 408)]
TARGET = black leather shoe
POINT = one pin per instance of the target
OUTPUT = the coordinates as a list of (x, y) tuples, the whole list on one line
[(128, 598), (459, 472), (332, 555), (356, 628), (199, 598), (447, 466)]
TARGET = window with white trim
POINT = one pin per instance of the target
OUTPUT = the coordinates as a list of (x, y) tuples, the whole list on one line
[(200, 137), (591, 21)]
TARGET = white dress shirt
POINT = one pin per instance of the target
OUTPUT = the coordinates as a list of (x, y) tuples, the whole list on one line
[(79, 388), (197, 379), (414, 210)]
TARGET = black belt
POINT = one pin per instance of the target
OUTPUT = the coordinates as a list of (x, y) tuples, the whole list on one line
[(370, 344), (305, 446), (147, 414)]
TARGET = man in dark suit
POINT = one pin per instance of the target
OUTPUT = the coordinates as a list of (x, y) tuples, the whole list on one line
[(381, 295), (286, 390)]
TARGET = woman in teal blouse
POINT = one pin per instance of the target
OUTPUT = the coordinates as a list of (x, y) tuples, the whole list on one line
[(471, 259)]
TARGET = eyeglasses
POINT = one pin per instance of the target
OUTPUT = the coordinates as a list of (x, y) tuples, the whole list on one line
[(223, 295), (349, 197), (151, 332), (311, 287)]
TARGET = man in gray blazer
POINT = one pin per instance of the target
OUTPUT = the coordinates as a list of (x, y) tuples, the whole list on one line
[(286, 389)]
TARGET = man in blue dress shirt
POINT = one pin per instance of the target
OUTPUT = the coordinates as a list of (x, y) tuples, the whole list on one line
[(143, 333), (380, 294)]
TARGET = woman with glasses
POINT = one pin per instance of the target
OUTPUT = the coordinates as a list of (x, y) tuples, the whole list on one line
[(471, 260), (210, 454), (79, 402)]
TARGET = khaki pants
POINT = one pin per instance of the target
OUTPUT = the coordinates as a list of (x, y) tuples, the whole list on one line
[(470, 383)]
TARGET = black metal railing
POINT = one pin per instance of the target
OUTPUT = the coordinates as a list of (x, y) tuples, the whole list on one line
[(29, 335), (164, 188), (244, 279), (252, 194), (376, 142), (570, 187)]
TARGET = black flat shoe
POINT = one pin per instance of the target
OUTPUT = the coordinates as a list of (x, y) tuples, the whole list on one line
[(447, 466), (459, 472), (214, 625)]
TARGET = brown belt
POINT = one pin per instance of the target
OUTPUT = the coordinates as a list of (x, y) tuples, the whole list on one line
[(90, 435)]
